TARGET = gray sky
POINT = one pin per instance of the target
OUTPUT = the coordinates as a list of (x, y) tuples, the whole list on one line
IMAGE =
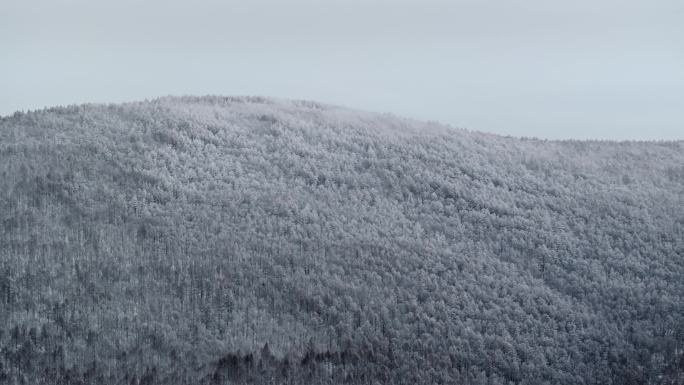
[(545, 68)]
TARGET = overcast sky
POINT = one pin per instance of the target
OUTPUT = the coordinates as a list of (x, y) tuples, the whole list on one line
[(543, 68)]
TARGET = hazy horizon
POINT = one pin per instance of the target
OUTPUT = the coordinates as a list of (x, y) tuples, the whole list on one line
[(582, 70)]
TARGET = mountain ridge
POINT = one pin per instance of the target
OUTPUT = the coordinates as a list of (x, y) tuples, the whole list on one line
[(216, 239), (213, 98)]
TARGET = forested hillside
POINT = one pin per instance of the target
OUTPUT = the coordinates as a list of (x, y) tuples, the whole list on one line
[(247, 240)]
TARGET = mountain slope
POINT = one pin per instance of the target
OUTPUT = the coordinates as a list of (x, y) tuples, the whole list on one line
[(190, 240)]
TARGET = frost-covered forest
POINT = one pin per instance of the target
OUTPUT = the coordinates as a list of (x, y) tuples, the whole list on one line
[(247, 240)]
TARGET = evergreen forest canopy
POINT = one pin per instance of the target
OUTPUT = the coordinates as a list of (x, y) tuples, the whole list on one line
[(219, 240)]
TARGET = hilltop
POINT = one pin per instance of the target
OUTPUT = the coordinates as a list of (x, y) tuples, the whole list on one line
[(245, 239)]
